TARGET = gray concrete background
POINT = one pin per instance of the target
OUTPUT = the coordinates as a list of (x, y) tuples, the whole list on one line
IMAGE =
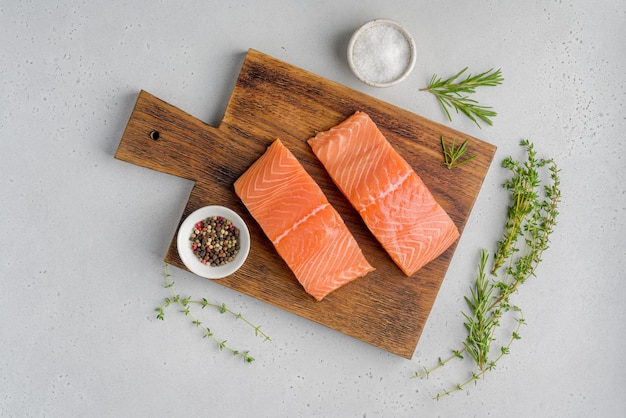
[(84, 235)]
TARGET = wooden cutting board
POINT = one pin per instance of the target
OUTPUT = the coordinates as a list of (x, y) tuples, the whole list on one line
[(273, 99)]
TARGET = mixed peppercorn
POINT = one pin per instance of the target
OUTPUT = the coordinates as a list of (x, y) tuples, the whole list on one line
[(215, 241)]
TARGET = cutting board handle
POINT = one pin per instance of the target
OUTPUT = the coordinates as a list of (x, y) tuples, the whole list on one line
[(156, 133)]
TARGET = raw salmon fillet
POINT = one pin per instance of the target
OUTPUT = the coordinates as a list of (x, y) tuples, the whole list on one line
[(305, 229), (391, 198)]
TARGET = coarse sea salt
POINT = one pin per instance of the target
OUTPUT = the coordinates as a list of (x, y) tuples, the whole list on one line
[(381, 54)]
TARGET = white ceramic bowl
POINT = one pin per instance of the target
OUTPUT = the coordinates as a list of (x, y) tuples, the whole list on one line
[(381, 53), (189, 258)]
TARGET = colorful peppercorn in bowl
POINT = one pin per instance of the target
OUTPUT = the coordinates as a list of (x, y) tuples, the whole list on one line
[(213, 242)]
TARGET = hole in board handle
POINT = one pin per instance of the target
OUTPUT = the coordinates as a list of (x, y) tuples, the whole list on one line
[(155, 135)]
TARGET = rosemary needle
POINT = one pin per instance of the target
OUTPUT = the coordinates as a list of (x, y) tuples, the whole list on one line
[(453, 93), (452, 154)]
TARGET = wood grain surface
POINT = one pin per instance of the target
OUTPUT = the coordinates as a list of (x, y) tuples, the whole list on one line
[(273, 99)]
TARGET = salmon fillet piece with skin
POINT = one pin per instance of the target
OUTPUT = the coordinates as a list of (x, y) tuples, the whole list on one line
[(393, 201), (307, 232)]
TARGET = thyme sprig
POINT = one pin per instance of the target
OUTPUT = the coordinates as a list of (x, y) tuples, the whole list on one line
[(185, 305), (530, 222), (453, 94), (452, 154)]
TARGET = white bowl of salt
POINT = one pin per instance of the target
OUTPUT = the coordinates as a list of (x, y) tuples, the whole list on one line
[(381, 53)]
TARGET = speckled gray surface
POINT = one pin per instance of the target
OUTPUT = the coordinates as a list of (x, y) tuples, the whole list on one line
[(84, 235)]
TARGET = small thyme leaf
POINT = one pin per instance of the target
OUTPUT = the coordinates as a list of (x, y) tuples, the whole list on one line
[(161, 313), (453, 94)]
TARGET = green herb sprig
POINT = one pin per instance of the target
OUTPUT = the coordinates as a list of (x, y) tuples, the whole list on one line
[(453, 94), (530, 222), (185, 305), (452, 154)]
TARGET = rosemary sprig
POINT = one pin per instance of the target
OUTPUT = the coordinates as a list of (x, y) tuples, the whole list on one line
[(452, 154), (185, 303), (453, 93), (480, 324), (530, 222)]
